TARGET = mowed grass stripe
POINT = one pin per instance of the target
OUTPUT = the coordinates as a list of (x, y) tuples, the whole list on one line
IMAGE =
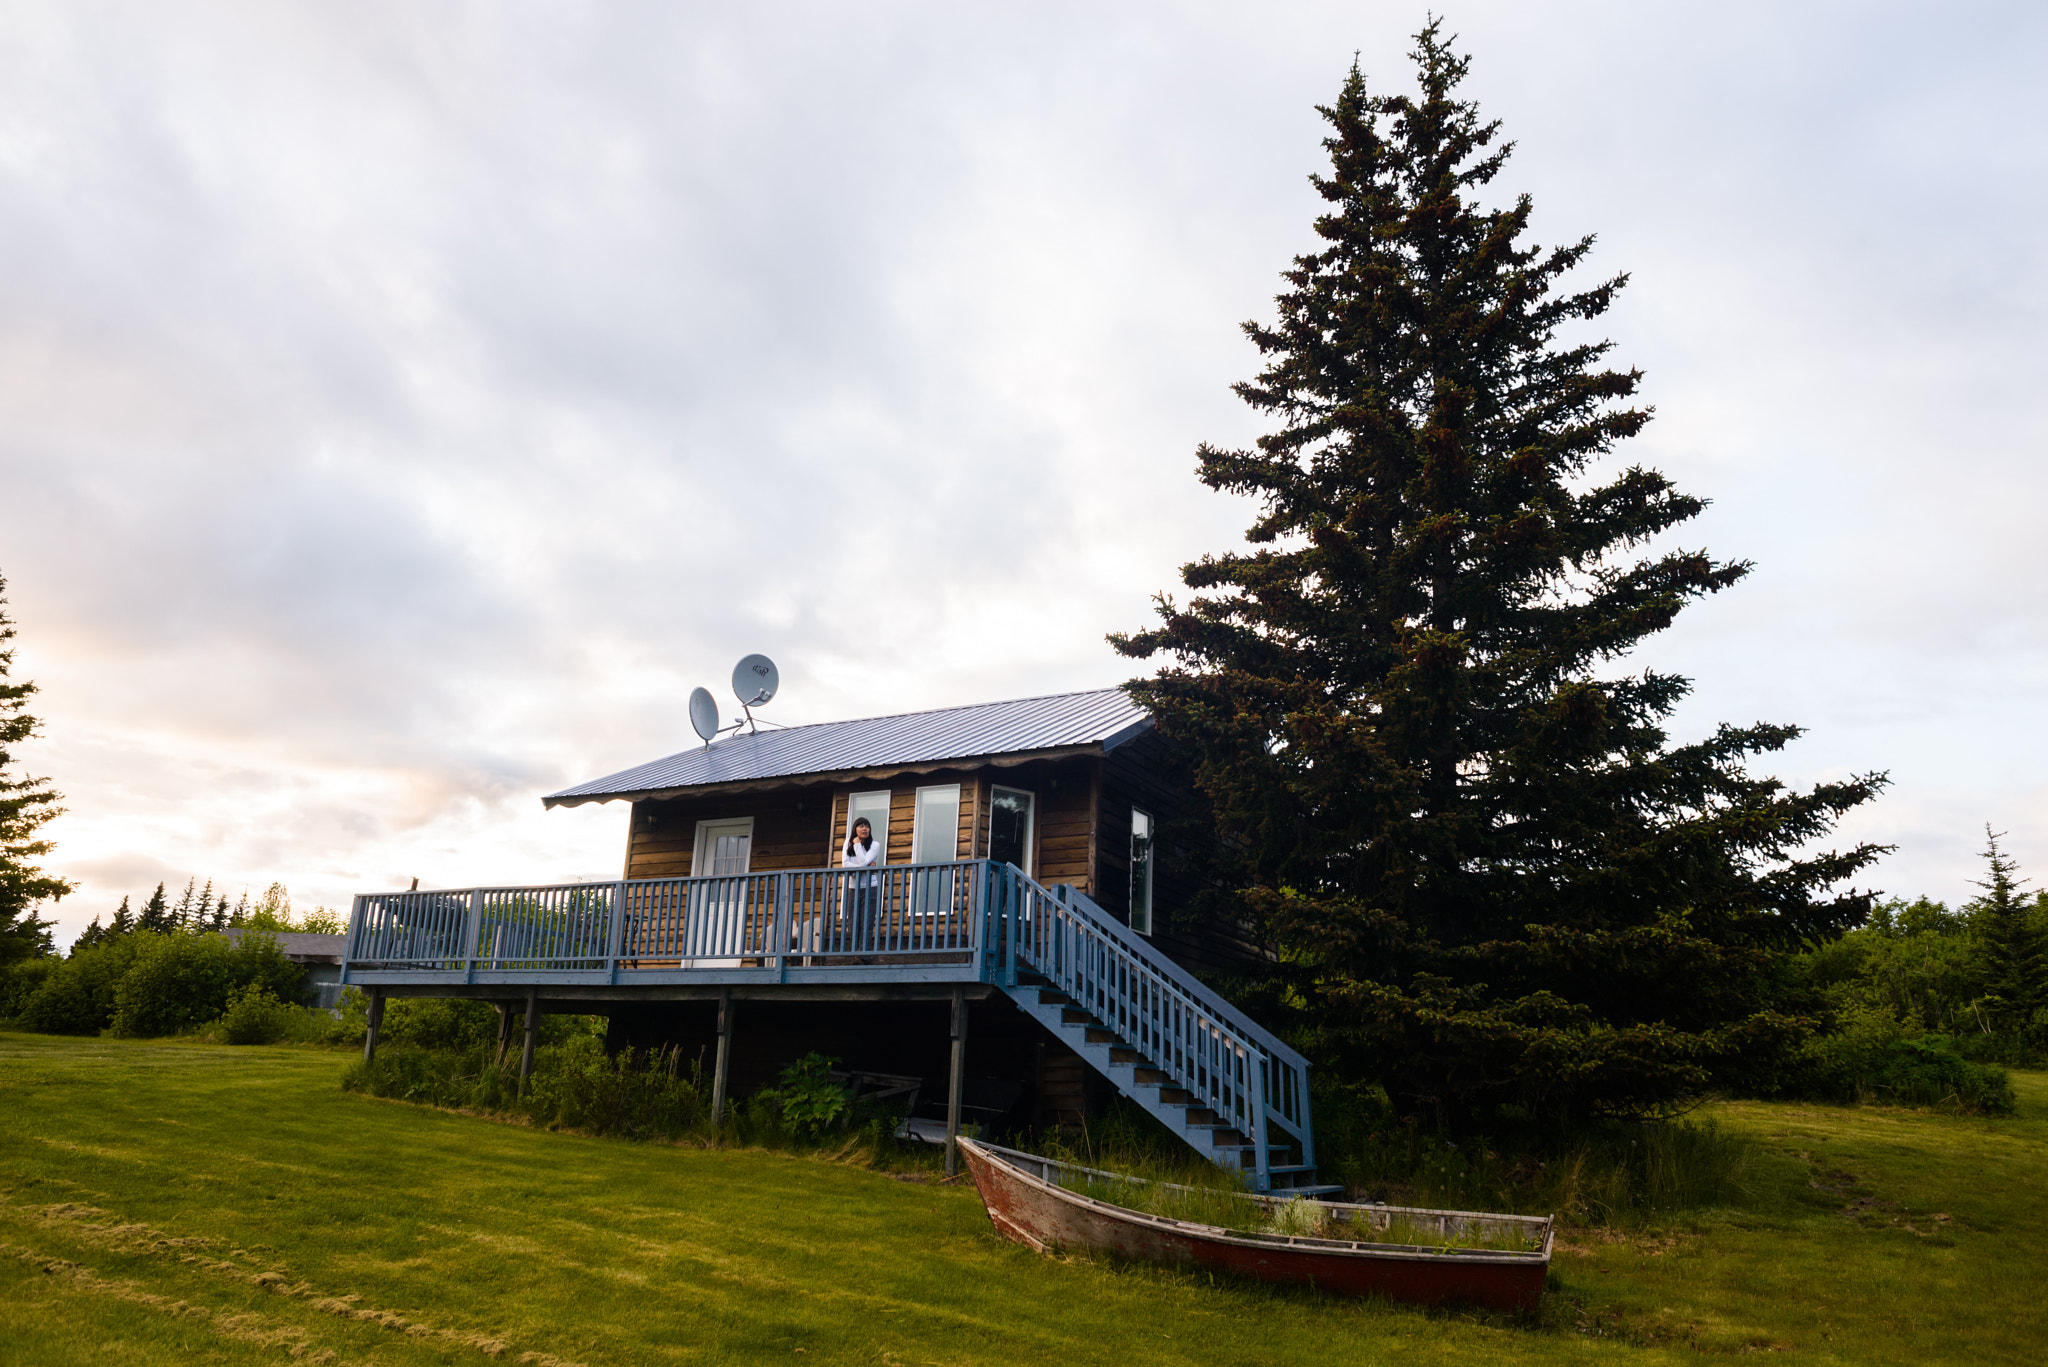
[(598, 1251)]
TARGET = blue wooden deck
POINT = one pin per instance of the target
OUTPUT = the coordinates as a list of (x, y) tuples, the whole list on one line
[(1212, 1074)]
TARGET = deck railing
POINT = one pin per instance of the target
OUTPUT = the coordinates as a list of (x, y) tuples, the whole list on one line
[(966, 920), (915, 913)]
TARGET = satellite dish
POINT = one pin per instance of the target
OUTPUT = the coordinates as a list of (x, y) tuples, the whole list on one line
[(754, 679), (703, 713)]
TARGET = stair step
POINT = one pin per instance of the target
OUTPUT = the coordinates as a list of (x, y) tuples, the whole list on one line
[(1202, 1118), (1052, 996), (1313, 1193), (1098, 1035), (1074, 1015), (1119, 1054), (1227, 1139), (1176, 1096), (1153, 1077)]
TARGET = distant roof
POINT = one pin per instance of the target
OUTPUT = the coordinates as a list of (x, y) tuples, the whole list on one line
[(1104, 717), (299, 945)]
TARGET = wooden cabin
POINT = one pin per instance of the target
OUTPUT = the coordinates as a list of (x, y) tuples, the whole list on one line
[(1034, 893), (1074, 789)]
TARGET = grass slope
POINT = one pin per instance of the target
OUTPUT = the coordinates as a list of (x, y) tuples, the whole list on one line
[(166, 1203)]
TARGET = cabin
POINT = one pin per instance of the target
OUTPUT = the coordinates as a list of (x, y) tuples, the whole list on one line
[(1032, 894)]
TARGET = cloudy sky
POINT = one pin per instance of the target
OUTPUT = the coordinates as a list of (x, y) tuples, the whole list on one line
[(402, 405)]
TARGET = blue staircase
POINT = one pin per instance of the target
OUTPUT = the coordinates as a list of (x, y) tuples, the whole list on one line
[(1227, 1086)]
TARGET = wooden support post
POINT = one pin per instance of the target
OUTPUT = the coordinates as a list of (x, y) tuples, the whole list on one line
[(532, 1036), (954, 1079), (376, 1019), (718, 1069), (504, 1031)]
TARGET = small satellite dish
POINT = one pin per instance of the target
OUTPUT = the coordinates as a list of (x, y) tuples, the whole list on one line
[(754, 679), (704, 713)]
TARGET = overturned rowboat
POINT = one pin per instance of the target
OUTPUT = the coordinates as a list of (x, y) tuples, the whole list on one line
[(1031, 1200)]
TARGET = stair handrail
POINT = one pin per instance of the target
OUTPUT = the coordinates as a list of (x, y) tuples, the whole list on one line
[(1279, 1090), (1210, 997)]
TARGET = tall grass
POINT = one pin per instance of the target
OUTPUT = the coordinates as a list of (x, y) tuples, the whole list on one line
[(1619, 1175), (636, 1094)]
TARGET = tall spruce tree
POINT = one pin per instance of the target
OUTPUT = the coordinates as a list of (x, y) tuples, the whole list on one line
[(156, 913), (2015, 962), (1494, 883), (26, 805)]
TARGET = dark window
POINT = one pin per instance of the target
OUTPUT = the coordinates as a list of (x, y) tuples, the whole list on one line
[(1009, 827), (1141, 871)]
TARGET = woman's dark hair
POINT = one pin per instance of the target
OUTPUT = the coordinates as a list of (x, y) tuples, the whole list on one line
[(851, 835)]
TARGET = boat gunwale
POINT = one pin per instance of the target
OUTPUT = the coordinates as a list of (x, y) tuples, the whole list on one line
[(1362, 1248)]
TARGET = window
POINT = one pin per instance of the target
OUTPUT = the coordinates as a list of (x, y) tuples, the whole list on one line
[(1009, 827), (875, 807), (935, 838), (723, 847), (1141, 871)]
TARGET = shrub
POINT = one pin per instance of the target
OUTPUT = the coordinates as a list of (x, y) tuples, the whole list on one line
[(77, 996), (1927, 1071), (178, 982), (19, 981), (254, 1015), (63, 1005), (806, 1101)]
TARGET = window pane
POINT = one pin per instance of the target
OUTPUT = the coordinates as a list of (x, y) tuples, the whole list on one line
[(729, 855), (1009, 828), (938, 825), (1141, 871)]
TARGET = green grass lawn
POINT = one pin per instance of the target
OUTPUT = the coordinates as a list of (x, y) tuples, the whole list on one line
[(176, 1203)]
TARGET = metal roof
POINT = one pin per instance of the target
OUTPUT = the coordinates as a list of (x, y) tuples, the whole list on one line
[(1106, 717)]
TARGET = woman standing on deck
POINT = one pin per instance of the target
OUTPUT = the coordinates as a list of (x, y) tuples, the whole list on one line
[(863, 851)]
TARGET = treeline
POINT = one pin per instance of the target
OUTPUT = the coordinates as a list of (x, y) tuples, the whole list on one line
[(168, 968), (197, 909), (1922, 1000)]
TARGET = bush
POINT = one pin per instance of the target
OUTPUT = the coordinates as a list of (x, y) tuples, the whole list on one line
[(64, 1005), (1927, 1071), (807, 1101), (256, 1016), (20, 981), (77, 996), (179, 982)]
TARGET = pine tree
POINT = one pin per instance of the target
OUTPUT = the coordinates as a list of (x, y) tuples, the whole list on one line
[(26, 804), (1492, 882), (156, 912), (124, 921), (2015, 964), (186, 912), (92, 935), (220, 916), (240, 917)]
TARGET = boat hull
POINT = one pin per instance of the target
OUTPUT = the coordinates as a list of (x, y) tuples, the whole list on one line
[(1048, 1218)]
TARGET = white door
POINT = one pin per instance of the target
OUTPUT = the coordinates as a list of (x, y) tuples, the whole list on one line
[(725, 849)]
